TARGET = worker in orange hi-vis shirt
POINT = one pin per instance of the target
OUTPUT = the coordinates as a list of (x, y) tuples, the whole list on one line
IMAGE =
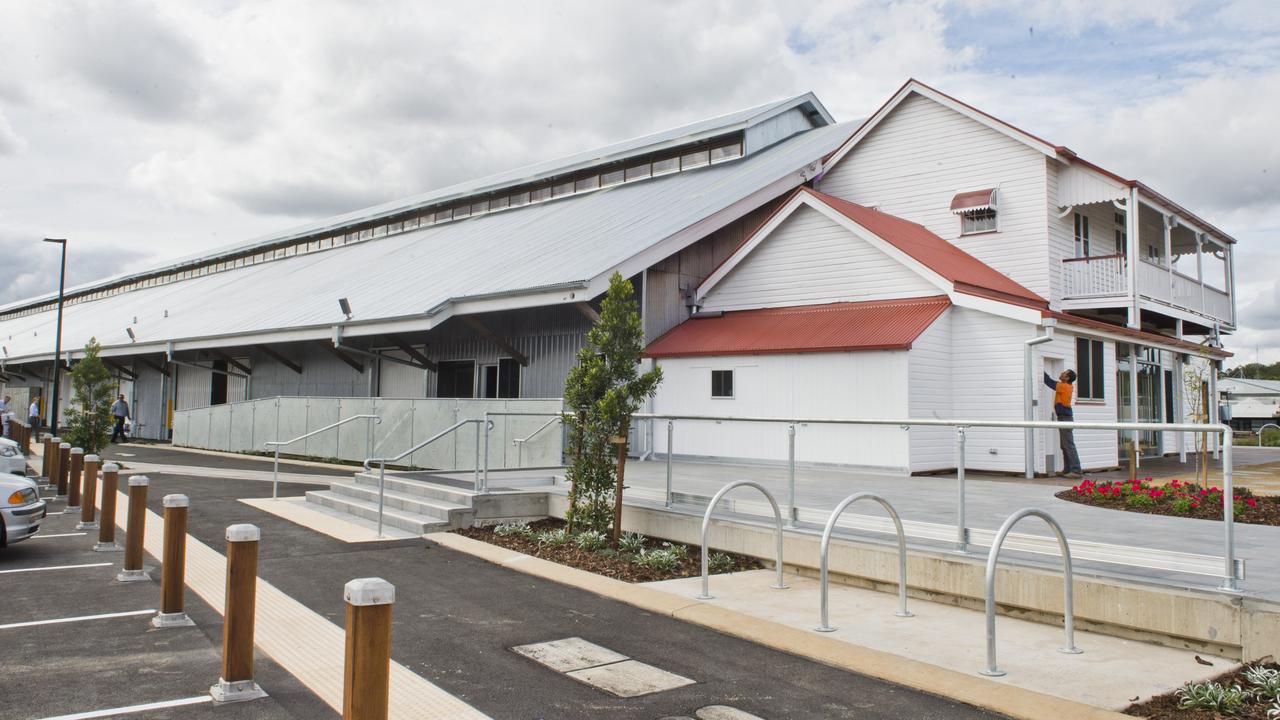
[(1062, 390)]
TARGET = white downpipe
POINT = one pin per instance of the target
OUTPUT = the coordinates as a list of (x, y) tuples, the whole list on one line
[(1028, 393)]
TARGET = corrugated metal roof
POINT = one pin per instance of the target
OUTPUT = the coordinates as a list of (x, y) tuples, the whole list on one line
[(1247, 386), (693, 132), (966, 271), (834, 327), (556, 243)]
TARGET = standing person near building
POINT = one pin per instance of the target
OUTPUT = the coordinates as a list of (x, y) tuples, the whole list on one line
[(33, 416), (5, 412), (1062, 412), (120, 411)]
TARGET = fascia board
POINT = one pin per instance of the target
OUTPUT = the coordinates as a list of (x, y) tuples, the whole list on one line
[(995, 307)]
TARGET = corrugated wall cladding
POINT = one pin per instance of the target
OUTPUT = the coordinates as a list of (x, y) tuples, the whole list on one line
[(149, 404), (775, 129), (322, 374), (922, 154), (810, 259)]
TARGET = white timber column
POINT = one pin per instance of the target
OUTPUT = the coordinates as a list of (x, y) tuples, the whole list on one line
[(1231, 280), (1170, 222), (1200, 266), (1133, 402), (1131, 251), (1180, 400)]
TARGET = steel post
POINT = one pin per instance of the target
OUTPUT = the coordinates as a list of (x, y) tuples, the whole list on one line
[(791, 475), (1229, 581), (484, 476), (962, 532), (671, 425), (382, 492), (779, 584), (275, 475)]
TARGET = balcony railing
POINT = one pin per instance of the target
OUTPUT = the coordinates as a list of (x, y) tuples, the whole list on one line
[(1106, 276)]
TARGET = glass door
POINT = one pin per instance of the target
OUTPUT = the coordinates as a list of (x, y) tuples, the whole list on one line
[(1150, 396)]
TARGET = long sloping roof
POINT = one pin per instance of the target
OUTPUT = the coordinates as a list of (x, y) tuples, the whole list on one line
[(553, 244), (832, 327), (684, 134)]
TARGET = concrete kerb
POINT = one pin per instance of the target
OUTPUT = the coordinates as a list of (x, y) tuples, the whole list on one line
[(1009, 700)]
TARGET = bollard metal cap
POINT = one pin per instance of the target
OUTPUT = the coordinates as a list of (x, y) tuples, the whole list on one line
[(369, 591), (64, 446), (110, 467), (55, 439), (139, 481), (77, 451), (176, 501), (243, 533), (92, 458)]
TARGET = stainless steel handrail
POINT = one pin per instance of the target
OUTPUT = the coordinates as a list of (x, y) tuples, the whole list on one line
[(992, 670), (826, 542), (519, 442), (382, 463), (275, 467), (706, 527), (1264, 429)]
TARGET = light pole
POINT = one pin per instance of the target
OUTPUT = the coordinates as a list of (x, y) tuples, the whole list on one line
[(57, 343)]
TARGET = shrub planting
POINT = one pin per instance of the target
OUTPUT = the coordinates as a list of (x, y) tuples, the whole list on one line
[(1176, 498)]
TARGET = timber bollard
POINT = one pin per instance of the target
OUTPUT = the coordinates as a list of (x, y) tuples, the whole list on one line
[(236, 682), (133, 534), (366, 682), (64, 463), (74, 472), (174, 564), (107, 528), (45, 458), (54, 453), (89, 495)]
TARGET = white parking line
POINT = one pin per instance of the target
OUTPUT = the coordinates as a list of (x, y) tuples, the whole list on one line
[(150, 611), (46, 537), (53, 567), (133, 708)]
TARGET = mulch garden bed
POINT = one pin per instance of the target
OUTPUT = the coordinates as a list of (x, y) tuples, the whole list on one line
[(1165, 707), (1177, 498), (610, 561)]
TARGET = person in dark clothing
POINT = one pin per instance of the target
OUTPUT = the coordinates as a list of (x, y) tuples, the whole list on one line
[(1062, 390), (120, 411)]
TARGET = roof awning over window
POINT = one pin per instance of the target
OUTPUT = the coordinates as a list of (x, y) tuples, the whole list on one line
[(975, 200)]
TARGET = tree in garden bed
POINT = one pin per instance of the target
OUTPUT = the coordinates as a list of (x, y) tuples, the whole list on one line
[(88, 419), (602, 392)]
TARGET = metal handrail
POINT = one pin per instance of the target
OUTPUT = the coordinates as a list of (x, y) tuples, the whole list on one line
[(275, 467), (1067, 587), (706, 527), (1264, 429), (519, 442), (382, 463), (826, 542)]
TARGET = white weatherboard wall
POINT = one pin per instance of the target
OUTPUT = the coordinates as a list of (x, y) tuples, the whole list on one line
[(987, 371), (1097, 448), (843, 384), (922, 154), (809, 259), (929, 373)]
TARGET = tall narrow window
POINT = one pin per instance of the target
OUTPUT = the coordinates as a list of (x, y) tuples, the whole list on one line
[(1082, 236), (1122, 234), (1089, 379), (721, 383)]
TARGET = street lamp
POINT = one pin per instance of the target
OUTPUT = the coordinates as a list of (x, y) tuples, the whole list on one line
[(57, 343)]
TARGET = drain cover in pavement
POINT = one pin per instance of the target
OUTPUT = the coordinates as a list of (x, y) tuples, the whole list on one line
[(601, 667), (724, 712)]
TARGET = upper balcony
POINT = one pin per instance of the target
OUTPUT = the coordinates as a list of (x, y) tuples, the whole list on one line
[(1176, 274)]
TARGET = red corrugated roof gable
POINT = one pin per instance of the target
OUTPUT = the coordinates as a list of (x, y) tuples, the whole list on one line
[(940, 256), (835, 327)]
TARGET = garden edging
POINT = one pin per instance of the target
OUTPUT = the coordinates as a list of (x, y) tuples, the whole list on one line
[(1011, 701)]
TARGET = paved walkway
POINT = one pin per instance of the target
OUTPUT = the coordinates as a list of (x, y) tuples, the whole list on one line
[(988, 502), (457, 616)]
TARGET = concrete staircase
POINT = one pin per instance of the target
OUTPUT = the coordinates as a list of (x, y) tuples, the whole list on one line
[(414, 505), (419, 503)]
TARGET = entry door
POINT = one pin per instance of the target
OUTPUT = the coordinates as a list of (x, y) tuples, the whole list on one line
[(1049, 437)]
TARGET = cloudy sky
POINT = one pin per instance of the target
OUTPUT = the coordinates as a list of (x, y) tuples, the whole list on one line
[(150, 130)]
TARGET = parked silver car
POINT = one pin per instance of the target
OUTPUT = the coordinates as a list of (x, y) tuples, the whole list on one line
[(12, 461), (21, 509)]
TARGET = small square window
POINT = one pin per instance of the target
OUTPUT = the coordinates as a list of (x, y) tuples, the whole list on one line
[(518, 199), (562, 189), (540, 194), (499, 203), (612, 177), (666, 167), (977, 221), (636, 172), (721, 383), (695, 159), (587, 183), (726, 152)]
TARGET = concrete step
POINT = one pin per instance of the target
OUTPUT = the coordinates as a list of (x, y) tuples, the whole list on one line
[(420, 488), (416, 504), (411, 522)]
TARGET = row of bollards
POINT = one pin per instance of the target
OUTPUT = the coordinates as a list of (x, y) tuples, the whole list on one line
[(367, 655)]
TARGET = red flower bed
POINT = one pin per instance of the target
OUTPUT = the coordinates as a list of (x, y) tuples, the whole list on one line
[(1178, 498)]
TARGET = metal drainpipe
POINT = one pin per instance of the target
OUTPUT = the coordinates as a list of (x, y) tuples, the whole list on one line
[(1028, 393)]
